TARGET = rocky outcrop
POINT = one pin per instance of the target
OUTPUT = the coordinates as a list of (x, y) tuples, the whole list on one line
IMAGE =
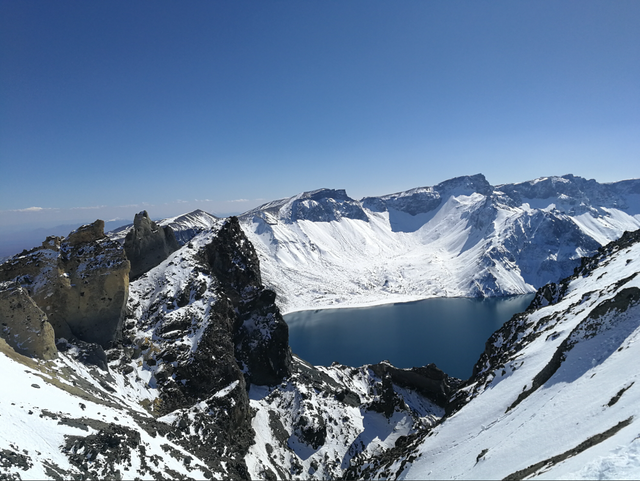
[(81, 283), (205, 328), (236, 266), (429, 380), (23, 325), (147, 244)]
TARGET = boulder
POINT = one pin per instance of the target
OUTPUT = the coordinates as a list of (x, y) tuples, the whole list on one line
[(24, 326), (147, 244)]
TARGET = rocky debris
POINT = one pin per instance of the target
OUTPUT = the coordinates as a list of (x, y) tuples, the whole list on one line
[(147, 244), (88, 353), (11, 458), (81, 283), (98, 455), (23, 325)]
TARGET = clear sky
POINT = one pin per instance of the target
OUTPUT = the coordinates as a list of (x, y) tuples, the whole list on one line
[(107, 108)]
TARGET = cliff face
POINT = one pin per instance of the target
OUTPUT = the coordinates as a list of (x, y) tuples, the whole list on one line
[(80, 282), (234, 262), (23, 325), (147, 244)]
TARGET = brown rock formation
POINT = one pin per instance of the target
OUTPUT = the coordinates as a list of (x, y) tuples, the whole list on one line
[(81, 283), (24, 326)]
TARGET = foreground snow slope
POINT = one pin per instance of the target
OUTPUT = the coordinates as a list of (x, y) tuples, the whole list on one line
[(557, 392), (58, 415), (462, 237)]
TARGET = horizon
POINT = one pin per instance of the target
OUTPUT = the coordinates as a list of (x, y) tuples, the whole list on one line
[(110, 109)]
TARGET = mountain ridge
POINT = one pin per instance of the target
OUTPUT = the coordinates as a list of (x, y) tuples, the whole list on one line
[(460, 238)]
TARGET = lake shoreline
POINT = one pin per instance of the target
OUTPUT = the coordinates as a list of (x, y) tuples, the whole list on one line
[(387, 301)]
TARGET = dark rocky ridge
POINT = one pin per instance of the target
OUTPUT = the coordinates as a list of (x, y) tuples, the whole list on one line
[(147, 244), (243, 340), (235, 264)]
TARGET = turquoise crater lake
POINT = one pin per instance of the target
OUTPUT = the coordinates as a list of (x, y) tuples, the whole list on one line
[(450, 332)]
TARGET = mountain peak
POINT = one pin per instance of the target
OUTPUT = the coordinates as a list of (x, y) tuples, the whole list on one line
[(466, 184), (319, 194)]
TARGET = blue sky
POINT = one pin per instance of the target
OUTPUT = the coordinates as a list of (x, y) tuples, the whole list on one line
[(107, 108)]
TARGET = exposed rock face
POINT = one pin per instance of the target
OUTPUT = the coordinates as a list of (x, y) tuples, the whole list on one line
[(23, 324), (81, 283), (148, 244), (429, 380), (235, 264)]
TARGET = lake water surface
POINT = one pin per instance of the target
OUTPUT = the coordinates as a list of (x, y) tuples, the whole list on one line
[(450, 332)]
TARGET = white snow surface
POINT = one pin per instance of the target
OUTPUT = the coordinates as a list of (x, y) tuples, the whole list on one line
[(43, 403)]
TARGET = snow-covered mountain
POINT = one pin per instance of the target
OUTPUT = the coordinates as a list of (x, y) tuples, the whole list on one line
[(194, 378), (192, 375), (461, 238)]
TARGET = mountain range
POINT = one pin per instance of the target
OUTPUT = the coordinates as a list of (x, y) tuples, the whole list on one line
[(160, 349), (461, 238)]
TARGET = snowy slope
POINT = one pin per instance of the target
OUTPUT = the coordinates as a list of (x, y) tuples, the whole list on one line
[(556, 394), (54, 414), (202, 383), (462, 237)]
